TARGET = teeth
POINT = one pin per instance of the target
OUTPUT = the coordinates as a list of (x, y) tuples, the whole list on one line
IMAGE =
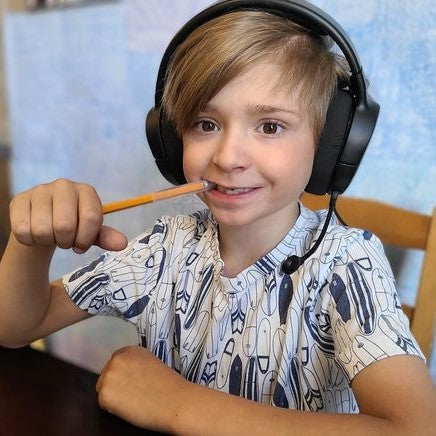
[(232, 191)]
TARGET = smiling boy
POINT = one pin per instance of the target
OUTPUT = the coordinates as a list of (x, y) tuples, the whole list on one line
[(257, 144), (248, 92)]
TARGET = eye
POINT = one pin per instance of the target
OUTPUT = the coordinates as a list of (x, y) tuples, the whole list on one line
[(205, 126), (271, 128)]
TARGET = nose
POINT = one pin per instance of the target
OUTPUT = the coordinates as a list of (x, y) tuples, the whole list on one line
[(231, 151)]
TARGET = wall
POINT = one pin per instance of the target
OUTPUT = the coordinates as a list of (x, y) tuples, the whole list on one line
[(80, 81), (4, 139)]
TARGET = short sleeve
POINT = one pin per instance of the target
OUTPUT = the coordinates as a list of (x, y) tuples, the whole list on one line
[(368, 323), (122, 283)]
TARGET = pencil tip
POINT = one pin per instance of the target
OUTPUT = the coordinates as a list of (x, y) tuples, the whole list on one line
[(208, 185)]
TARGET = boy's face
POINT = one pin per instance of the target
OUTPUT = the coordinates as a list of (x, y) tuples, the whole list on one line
[(255, 143)]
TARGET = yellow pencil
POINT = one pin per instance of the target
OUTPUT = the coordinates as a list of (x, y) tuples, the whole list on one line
[(187, 188)]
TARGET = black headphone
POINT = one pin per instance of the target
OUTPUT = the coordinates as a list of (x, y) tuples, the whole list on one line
[(351, 116)]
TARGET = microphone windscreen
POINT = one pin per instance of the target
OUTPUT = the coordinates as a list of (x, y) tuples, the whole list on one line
[(291, 264)]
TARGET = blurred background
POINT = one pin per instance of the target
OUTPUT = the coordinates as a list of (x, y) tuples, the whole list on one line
[(77, 78)]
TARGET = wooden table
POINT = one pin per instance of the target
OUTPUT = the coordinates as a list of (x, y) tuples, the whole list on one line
[(41, 395)]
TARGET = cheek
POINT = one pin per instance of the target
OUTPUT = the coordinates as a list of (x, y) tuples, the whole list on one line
[(294, 169), (190, 163), (307, 161), (304, 159), (298, 161), (186, 165)]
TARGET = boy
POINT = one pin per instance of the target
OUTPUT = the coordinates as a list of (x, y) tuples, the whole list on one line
[(207, 291)]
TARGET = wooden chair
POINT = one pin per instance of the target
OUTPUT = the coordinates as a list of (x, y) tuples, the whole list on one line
[(401, 228)]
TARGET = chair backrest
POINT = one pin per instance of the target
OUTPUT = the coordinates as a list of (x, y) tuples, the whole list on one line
[(401, 228)]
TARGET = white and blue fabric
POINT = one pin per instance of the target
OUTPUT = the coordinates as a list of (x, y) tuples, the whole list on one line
[(291, 341)]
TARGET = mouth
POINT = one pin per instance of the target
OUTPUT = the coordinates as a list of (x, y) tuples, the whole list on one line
[(233, 190)]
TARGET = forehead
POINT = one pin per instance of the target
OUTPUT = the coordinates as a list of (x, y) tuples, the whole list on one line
[(259, 84)]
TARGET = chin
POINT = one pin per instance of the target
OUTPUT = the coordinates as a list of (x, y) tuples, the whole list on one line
[(234, 218)]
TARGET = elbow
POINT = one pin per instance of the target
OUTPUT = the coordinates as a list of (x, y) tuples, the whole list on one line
[(13, 345), (422, 424), (8, 341)]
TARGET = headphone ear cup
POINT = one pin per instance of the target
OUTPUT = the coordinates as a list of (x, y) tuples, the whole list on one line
[(166, 146), (334, 136)]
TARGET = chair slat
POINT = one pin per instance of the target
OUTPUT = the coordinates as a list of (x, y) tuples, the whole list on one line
[(423, 324), (406, 228)]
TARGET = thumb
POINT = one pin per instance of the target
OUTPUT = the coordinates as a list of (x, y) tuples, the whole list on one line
[(111, 239)]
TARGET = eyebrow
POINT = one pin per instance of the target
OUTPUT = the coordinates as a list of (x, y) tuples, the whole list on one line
[(259, 109), (267, 109)]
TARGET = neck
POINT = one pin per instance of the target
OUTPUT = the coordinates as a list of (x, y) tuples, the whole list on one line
[(241, 246)]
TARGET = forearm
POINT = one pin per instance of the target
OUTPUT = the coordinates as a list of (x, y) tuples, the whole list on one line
[(209, 412), (24, 290), (138, 387)]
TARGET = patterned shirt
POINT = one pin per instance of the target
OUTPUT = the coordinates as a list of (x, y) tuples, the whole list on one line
[(290, 341)]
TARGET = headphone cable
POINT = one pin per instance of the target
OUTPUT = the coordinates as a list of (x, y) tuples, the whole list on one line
[(293, 262)]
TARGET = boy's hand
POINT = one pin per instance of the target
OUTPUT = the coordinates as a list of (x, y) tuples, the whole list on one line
[(138, 387), (64, 214)]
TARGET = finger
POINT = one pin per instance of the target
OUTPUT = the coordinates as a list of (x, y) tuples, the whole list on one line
[(99, 383), (111, 239), (19, 211), (90, 218), (102, 374), (65, 205), (41, 223), (122, 350)]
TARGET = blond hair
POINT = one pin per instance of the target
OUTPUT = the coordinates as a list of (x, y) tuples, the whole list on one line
[(226, 46)]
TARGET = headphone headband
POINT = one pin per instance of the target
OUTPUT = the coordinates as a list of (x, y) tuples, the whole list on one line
[(301, 12), (350, 119)]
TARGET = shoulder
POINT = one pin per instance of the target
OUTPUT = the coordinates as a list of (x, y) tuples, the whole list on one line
[(109, 283), (166, 228), (342, 244), (176, 238), (357, 289), (198, 221), (349, 265), (166, 235)]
